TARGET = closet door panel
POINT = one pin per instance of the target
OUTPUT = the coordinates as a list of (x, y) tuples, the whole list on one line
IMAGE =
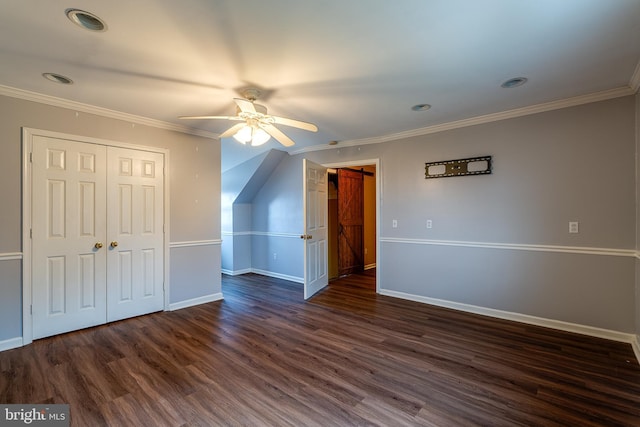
[(68, 228), (135, 219)]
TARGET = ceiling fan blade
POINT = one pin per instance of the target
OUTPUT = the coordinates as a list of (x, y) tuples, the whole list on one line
[(232, 130), (278, 135), (210, 117), (245, 105), (295, 123)]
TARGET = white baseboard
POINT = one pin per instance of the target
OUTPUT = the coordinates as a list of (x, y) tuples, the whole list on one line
[(635, 344), (264, 273), (11, 343), (524, 318), (236, 272), (278, 275), (195, 301)]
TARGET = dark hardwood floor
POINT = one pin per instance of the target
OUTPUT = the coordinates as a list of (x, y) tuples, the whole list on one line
[(347, 357)]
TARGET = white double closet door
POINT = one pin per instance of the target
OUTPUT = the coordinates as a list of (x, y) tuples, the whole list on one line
[(97, 234)]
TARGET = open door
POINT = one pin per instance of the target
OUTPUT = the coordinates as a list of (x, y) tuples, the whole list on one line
[(315, 228)]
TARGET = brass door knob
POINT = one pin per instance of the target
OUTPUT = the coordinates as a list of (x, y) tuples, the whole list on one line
[(98, 245), (114, 244)]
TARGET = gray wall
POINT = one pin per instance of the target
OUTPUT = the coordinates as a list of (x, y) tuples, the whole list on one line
[(194, 192), (242, 242), (637, 299), (573, 164), (277, 217), (10, 299), (239, 187)]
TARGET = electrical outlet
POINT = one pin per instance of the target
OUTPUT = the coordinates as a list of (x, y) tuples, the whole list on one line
[(275, 255), (429, 223), (394, 223), (574, 227)]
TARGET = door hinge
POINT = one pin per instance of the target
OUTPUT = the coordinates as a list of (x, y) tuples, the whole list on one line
[(31, 233), (31, 309), (31, 157)]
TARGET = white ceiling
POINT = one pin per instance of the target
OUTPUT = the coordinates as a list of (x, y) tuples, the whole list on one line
[(353, 67)]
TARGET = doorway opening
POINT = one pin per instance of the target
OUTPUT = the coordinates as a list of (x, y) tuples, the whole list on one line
[(352, 225)]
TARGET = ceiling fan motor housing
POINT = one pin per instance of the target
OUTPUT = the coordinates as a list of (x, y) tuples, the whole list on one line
[(259, 109), (251, 94)]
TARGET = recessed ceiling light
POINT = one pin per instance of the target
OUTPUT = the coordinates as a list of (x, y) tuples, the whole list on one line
[(57, 78), (86, 20), (421, 107), (514, 82)]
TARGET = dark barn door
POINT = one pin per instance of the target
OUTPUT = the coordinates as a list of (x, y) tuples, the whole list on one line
[(350, 221)]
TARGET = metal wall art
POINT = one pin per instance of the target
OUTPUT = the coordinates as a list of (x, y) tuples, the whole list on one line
[(460, 167)]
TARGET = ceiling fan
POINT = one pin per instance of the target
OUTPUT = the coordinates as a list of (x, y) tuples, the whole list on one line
[(256, 126)]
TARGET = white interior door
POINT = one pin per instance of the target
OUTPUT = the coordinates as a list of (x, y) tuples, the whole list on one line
[(68, 229), (135, 221), (315, 228)]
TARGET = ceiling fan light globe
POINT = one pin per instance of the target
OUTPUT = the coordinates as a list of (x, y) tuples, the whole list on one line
[(243, 135), (259, 137)]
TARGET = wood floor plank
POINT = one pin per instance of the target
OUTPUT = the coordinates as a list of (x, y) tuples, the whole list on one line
[(348, 356)]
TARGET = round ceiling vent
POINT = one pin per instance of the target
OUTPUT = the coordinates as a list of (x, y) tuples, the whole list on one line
[(86, 20), (514, 82), (421, 107), (57, 78)]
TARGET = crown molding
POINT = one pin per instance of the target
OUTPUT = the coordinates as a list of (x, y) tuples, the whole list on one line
[(488, 118), (103, 112), (633, 87)]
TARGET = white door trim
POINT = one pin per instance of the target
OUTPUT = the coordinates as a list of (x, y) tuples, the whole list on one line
[(27, 145), (379, 199)]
